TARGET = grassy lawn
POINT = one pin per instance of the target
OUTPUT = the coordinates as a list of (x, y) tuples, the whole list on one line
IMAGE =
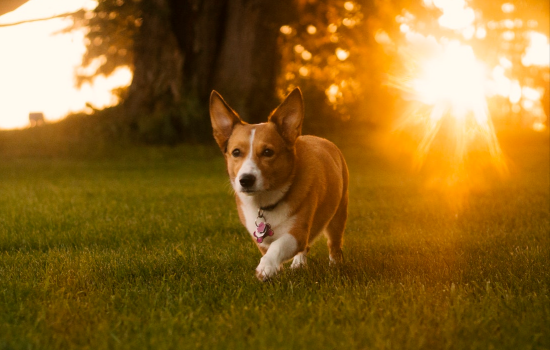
[(142, 249)]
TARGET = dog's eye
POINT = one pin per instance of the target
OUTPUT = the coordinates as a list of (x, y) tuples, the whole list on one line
[(236, 152), (268, 152)]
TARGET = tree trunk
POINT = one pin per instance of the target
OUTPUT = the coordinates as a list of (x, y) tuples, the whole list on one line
[(249, 60), (158, 62), (186, 48), (231, 46)]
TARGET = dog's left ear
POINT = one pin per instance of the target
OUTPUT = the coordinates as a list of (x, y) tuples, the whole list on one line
[(223, 119), (289, 116)]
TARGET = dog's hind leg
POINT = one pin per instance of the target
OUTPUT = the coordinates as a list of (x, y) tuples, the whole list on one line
[(335, 231)]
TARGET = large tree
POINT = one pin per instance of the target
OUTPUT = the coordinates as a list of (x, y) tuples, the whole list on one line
[(182, 49), (342, 53)]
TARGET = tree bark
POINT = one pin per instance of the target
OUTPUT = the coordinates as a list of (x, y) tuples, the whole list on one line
[(231, 46), (158, 63), (249, 60), (186, 48)]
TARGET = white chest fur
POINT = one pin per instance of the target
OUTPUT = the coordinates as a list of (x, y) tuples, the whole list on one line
[(279, 218)]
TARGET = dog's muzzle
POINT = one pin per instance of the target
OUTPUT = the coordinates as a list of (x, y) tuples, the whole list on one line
[(247, 181)]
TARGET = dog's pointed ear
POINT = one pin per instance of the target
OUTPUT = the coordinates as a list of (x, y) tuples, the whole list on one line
[(223, 119), (288, 117)]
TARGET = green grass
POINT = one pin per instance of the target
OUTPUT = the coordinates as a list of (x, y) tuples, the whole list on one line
[(142, 249)]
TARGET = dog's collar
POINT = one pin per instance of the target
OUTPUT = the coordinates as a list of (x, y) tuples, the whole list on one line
[(269, 207)]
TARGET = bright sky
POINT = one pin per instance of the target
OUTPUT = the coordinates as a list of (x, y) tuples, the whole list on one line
[(37, 66)]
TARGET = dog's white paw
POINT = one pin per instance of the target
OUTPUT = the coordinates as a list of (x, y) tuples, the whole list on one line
[(266, 271), (299, 261), (335, 261), (336, 258)]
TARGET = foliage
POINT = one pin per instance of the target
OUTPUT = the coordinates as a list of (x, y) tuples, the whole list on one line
[(111, 30), (143, 249), (76, 135), (349, 55), (186, 121), (355, 51), (331, 46)]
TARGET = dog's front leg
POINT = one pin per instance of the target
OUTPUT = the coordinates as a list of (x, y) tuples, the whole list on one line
[(278, 252)]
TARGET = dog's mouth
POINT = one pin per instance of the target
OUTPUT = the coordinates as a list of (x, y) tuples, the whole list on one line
[(248, 191)]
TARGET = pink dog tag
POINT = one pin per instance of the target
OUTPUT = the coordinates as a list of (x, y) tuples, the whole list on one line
[(262, 229)]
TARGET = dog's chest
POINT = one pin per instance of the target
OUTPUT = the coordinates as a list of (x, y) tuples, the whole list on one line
[(278, 219)]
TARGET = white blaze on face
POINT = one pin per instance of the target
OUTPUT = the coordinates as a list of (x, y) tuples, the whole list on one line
[(250, 167)]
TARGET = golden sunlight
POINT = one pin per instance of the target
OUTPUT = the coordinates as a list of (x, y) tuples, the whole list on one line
[(455, 77), (451, 85), (456, 14), (454, 83), (38, 64), (538, 51)]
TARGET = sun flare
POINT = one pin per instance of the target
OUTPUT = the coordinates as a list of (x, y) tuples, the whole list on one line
[(453, 83), (455, 77), (448, 84)]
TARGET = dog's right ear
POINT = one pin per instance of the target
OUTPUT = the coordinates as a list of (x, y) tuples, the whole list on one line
[(223, 119)]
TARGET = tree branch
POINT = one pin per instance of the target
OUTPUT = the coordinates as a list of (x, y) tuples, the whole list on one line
[(39, 19)]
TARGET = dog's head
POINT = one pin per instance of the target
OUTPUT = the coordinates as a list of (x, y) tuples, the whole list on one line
[(259, 157)]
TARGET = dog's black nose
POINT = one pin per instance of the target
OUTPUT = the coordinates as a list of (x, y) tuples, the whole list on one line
[(247, 180)]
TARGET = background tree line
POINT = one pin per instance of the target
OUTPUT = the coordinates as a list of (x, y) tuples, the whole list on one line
[(245, 49), (252, 52)]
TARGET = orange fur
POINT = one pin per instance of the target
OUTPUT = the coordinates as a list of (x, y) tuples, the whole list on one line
[(306, 177)]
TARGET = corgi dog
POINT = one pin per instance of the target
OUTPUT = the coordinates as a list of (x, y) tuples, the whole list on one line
[(289, 188)]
